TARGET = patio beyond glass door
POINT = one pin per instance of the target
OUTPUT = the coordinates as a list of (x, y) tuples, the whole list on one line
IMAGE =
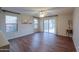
[(50, 25)]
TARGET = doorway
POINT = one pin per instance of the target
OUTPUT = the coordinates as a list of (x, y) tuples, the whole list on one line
[(50, 25)]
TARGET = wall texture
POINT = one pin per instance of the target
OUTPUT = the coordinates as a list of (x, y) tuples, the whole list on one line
[(76, 28), (23, 29)]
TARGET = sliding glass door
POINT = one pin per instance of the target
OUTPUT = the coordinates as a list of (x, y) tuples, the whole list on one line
[(46, 23), (50, 25)]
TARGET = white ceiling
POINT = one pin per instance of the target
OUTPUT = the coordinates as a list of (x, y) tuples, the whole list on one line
[(34, 11)]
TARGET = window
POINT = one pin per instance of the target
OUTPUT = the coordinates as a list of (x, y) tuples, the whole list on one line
[(11, 23), (35, 23)]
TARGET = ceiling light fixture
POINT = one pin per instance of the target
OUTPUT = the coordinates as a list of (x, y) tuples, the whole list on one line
[(43, 13)]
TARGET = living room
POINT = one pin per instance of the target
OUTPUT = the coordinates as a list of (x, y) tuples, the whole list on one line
[(39, 29)]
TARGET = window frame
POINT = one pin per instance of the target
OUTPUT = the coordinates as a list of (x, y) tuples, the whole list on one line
[(12, 23), (35, 23)]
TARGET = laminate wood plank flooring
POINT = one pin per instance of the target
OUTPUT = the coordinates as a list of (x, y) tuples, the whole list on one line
[(42, 42)]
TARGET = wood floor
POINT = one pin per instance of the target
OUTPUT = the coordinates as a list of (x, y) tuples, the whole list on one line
[(42, 42)]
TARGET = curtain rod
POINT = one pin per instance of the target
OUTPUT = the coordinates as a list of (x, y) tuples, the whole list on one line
[(10, 11), (52, 16), (46, 16)]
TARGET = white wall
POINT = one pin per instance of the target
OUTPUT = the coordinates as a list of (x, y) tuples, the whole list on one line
[(23, 29), (62, 23), (76, 28)]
